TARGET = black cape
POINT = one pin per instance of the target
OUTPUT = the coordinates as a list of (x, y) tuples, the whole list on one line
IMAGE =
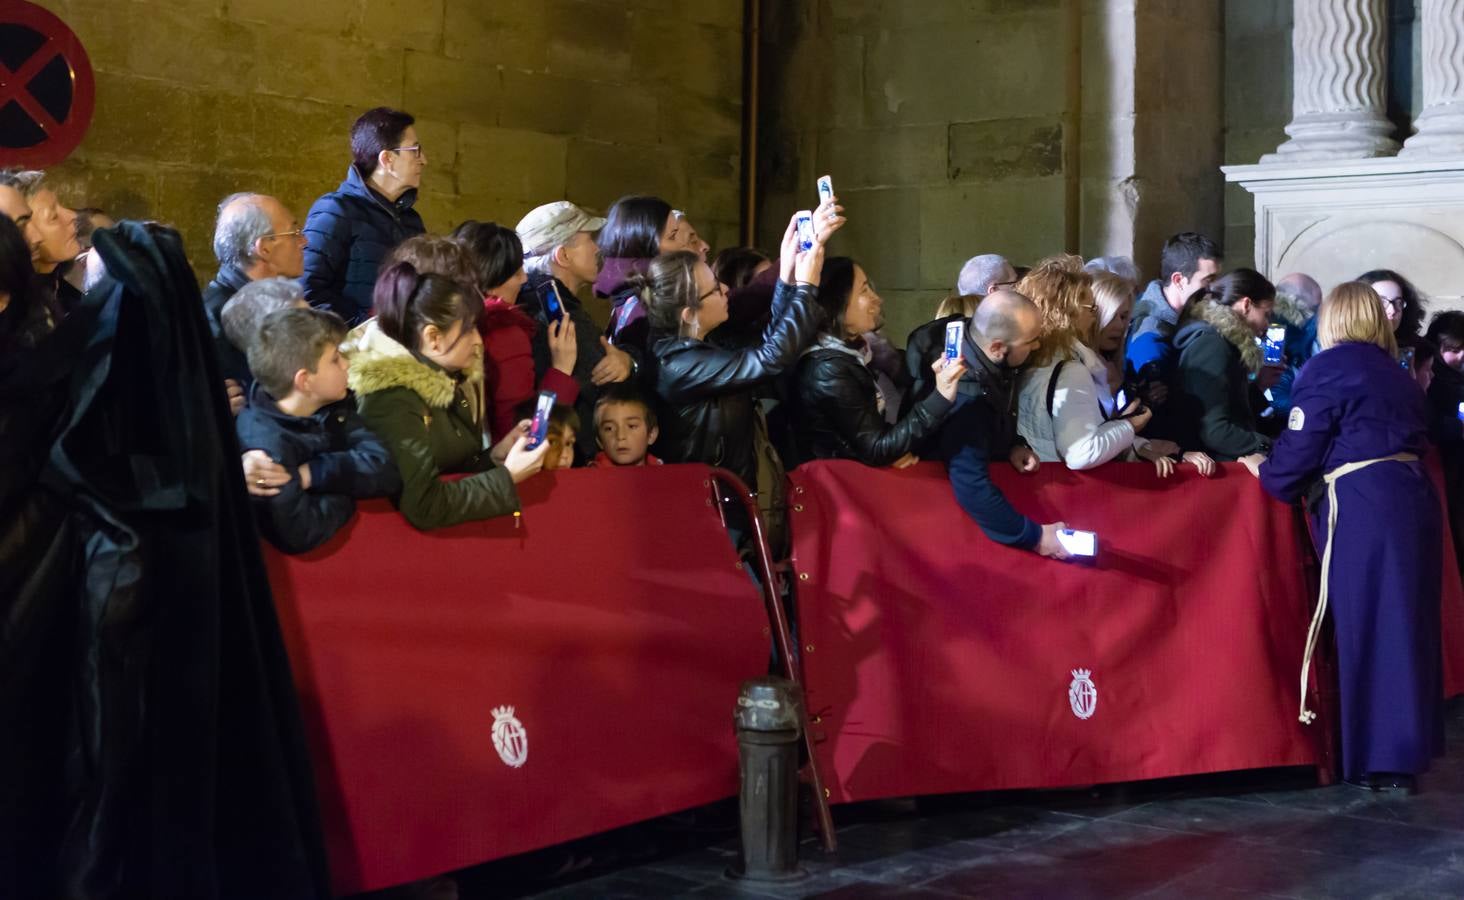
[(151, 744)]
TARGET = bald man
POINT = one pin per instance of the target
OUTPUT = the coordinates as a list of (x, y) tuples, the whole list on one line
[(1304, 288), (256, 237), (1298, 297), (982, 427)]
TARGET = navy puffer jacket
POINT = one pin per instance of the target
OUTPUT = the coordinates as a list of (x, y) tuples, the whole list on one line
[(351, 230)]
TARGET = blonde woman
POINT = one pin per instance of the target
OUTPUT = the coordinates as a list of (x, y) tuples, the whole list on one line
[(1065, 407), (1358, 425)]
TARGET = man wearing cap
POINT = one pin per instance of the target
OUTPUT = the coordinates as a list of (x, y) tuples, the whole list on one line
[(561, 258)]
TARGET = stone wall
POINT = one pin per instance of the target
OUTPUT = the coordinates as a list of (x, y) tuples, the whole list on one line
[(940, 123), (518, 103), (958, 127)]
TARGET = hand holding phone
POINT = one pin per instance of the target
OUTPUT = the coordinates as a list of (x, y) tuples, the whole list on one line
[(1083, 544), (539, 427)]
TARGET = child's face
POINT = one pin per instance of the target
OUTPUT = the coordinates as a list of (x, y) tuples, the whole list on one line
[(1452, 354), (622, 433), (328, 383), (560, 454)]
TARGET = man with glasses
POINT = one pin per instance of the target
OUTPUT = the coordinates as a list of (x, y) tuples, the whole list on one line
[(985, 274), (255, 238)]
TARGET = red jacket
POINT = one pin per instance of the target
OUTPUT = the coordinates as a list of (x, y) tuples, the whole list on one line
[(508, 366)]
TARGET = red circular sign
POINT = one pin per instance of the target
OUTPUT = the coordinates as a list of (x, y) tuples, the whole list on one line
[(47, 90)]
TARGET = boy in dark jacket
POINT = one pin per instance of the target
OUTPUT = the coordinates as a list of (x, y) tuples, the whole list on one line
[(300, 416)]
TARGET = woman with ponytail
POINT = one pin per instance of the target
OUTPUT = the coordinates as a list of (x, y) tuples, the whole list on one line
[(417, 370), (708, 410)]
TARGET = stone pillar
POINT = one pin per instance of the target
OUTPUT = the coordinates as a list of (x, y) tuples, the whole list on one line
[(1441, 124), (1339, 83)]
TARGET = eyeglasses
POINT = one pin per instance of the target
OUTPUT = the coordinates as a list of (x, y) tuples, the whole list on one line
[(719, 289), (279, 234), (1395, 305), (414, 149)]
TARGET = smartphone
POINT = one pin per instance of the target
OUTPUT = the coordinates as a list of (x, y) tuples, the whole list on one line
[(1461, 412), (1405, 359), (805, 230), (955, 334), (1275, 345), (825, 190), (539, 427), (551, 302), (1078, 543)]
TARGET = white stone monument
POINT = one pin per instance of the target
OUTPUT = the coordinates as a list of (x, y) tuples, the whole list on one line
[(1332, 201)]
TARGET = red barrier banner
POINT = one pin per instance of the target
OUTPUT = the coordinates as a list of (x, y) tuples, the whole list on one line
[(484, 690), (939, 661)]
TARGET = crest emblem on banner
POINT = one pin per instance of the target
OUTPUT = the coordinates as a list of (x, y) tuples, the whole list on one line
[(1083, 694), (509, 737)]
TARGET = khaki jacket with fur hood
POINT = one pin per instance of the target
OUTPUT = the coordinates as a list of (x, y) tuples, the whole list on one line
[(432, 422)]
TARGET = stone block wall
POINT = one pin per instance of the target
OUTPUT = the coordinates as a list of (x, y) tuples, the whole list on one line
[(958, 127), (941, 123), (518, 102)]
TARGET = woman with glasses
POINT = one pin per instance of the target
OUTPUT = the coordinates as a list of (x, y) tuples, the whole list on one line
[(351, 229), (1402, 303), (840, 404), (708, 412), (1066, 409)]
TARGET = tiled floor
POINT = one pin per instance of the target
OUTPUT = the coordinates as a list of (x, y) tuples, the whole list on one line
[(1265, 834)]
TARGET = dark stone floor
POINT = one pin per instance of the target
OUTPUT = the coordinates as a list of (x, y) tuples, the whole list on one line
[(1254, 834)]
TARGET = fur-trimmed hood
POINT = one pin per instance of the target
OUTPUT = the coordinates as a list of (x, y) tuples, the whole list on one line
[(379, 362), (1230, 324), (1291, 310)]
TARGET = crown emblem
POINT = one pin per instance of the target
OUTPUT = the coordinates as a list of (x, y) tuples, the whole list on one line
[(504, 712), (1078, 674)]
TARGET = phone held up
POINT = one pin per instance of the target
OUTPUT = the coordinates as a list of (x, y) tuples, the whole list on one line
[(1081, 544), (1405, 359), (805, 230), (825, 190), (539, 426), (553, 304), (955, 335), (1275, 345)]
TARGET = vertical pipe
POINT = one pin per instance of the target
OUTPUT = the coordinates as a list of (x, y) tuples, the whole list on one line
[(1072, 131), (751, 35)]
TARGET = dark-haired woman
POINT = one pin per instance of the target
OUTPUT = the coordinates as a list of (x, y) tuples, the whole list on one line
[(637, 230), (508, 355), (351, 229), (415, 370), (1402, 303), (841, 407), (706, 392), (25, 316), (1211, 406)]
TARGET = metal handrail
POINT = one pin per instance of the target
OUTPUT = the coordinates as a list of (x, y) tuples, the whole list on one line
[(782, 635)]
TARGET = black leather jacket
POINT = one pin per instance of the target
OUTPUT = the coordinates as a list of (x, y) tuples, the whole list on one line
[(839, 418), (706, 393)]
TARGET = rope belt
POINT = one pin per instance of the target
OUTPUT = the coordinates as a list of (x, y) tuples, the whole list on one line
[(1331, 478)]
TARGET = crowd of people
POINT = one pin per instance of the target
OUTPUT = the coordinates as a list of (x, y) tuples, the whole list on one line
[(364, 357)]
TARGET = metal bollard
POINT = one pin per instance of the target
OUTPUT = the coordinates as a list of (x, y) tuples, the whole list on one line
[(769, 724)]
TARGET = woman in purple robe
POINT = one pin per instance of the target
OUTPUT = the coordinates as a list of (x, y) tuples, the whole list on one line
[(1357, 430)]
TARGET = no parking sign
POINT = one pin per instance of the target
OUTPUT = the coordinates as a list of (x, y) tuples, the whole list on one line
[(47, 90)]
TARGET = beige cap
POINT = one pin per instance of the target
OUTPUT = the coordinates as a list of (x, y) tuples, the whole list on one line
[(550, 225)]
